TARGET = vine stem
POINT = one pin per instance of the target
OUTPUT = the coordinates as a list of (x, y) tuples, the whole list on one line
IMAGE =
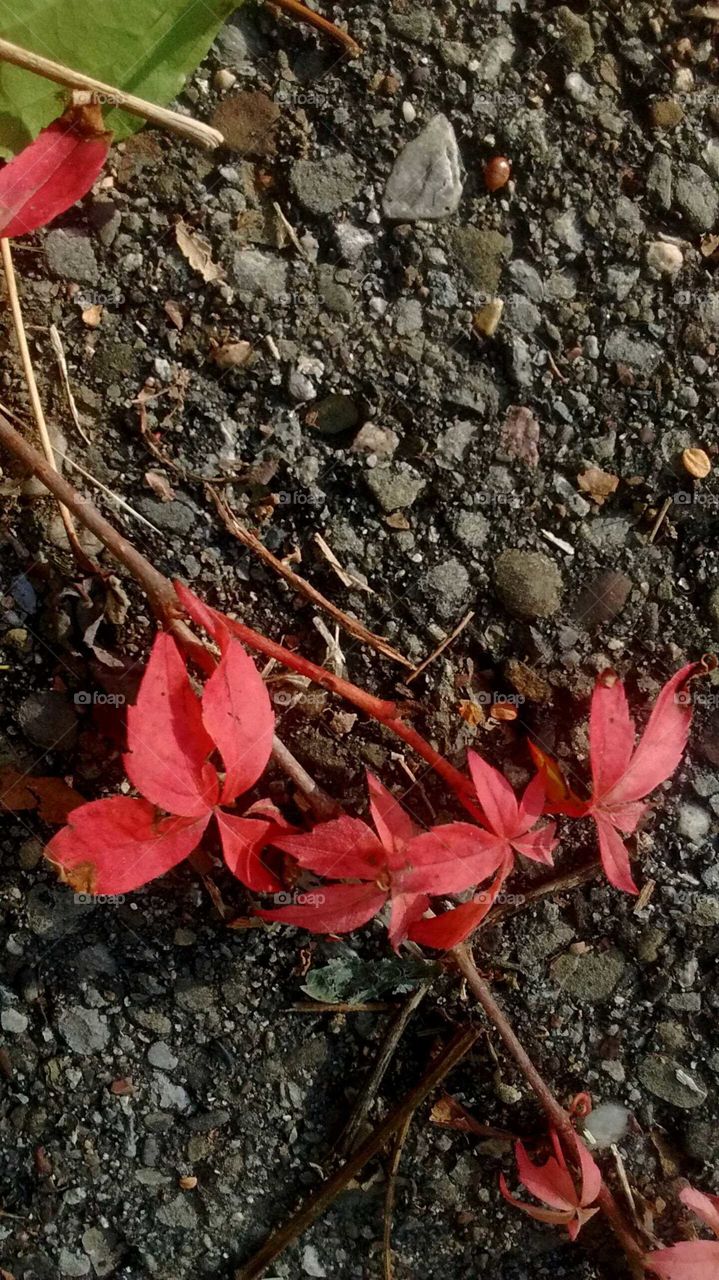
[(553, 1109), (163, 600)]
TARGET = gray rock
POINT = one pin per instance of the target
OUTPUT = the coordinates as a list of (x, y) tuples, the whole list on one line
[(577, 40), (168, 1095), (543, 941), (13, 1021), (454, 442), (696, 197), (426, 181), (260, 274), (481, 253), (49, 721), (239, 42), (626, 347), (311, 1264), (161, 1056), (660, 181), (590, 978), (607, 1124), (448, 587), (526, 279), (178, 1214), (394, 488), (336, 296), (496, 55), (528, 584), (83, 1030), (70, 254), (704, 912), (602, 599), (73, 1264), (352, 241), (668, 1080), (693, 822), (471, 528), (408, 318), (322, 186), (521, 314), (103, 1248), (415, 25), (179, 517)]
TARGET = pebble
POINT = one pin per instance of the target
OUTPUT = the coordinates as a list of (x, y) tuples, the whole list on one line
[(481, 252), (426, 181), (73, 1264), (161, 1056), (602, 599), (664, 258), (448, 585), (693, 822), (607, 1124), (471, 528), (528, 584), (626, 347), (496, 56), (577, 39), (256, 273), (70, 254), (696, 197), (667, 1079), (353, 242), (83, 1030), (303, 377), (666, 113), (13, 1021), (49, 721), (589, 978), (323, 186), (395, 489), (311, 1264)]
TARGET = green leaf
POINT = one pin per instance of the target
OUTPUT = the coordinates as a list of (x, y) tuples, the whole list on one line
[(350, 980), (146, 47)]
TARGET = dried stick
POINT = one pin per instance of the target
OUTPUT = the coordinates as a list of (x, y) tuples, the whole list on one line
[(369, 1090), (552, 1108), (28, 370), (548, 888), (320, 1200), (448, 640), (158, 589), (203, 134), (297, 10), (249, 539)]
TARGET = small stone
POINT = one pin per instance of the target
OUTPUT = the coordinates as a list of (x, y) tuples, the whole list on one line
[(352, 241), (528, 584), (607, 1124), (426, 181), (409, 112), (13, 1021), (625, 347), (73, 1264), (486, 320), (651, 941), (590, 978), (395, 489), (103, 1248), (178, 1214), (333, 415), (413, 24), (49, 721), (660, 181), (323, 186), (482, 254), (697, 463), (160, 1055), (248, 123), (603, 599), (70, 254), (302, 378), (696, 197), (311, 1264), (704, 912), (665, 113), (260, 274), (408, 317), (577, 37), (83, 1030), (668, 1080), (448, 586), (168, 1095), (381, 441), (224, 79), (471, 529), (693, 822), (496, 55), (664, 258)]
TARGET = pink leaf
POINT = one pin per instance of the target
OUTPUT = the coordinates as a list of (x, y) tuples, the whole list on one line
[(689, 1260), (495, 796), (406, 908), (662, 743), (448, 930), (238, 717), (344, 847), (550, 1181), (53, 172), (611, 734), (591, 1175), (243, 839), (704, 1206), (168, 745), (335, 908), (117, 845), (531, 806), (538, 845), (394, 825), (615, 858), (452, 857), (554, 1217)]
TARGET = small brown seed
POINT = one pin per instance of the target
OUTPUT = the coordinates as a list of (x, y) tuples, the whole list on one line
[(497, 173), (501, 711), (188, 1182), (696, 462)]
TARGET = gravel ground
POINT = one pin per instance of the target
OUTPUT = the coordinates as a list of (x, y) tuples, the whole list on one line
[(320, 333)]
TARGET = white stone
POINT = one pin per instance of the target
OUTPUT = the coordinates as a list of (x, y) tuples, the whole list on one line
[(426, 181), (409, 112), (352, 241), (13, 1021), (693, 822), (667, 259)]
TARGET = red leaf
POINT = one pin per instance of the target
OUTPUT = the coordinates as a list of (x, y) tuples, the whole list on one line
[(336, 908), (406, 908), (117, 845), (704, 1206), (689, 1260), (452, 857), (394, 825), (614, 855), (495, 796), (169, 746), (344, 847), (661, 745), (553, 1183), (448, 930), (611, 734), (53, 172), (238, 716), (243, 839)]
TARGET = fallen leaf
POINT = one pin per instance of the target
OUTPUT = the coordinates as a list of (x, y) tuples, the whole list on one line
[(519, 436), (599, 484), (53, 172), (709, 246), (198, 252), (160, 485), (175, 313), (450, 1114), (52, 797), (472, 713)]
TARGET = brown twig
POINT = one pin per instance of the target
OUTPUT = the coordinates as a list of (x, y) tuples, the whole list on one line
[(300, 11), (341, 1006), (390, 1196), (367, 1094), (158, 589), (250, 540), (554, 1111), (185, 126), (320, 1200), (563, 883), (448, 640)]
